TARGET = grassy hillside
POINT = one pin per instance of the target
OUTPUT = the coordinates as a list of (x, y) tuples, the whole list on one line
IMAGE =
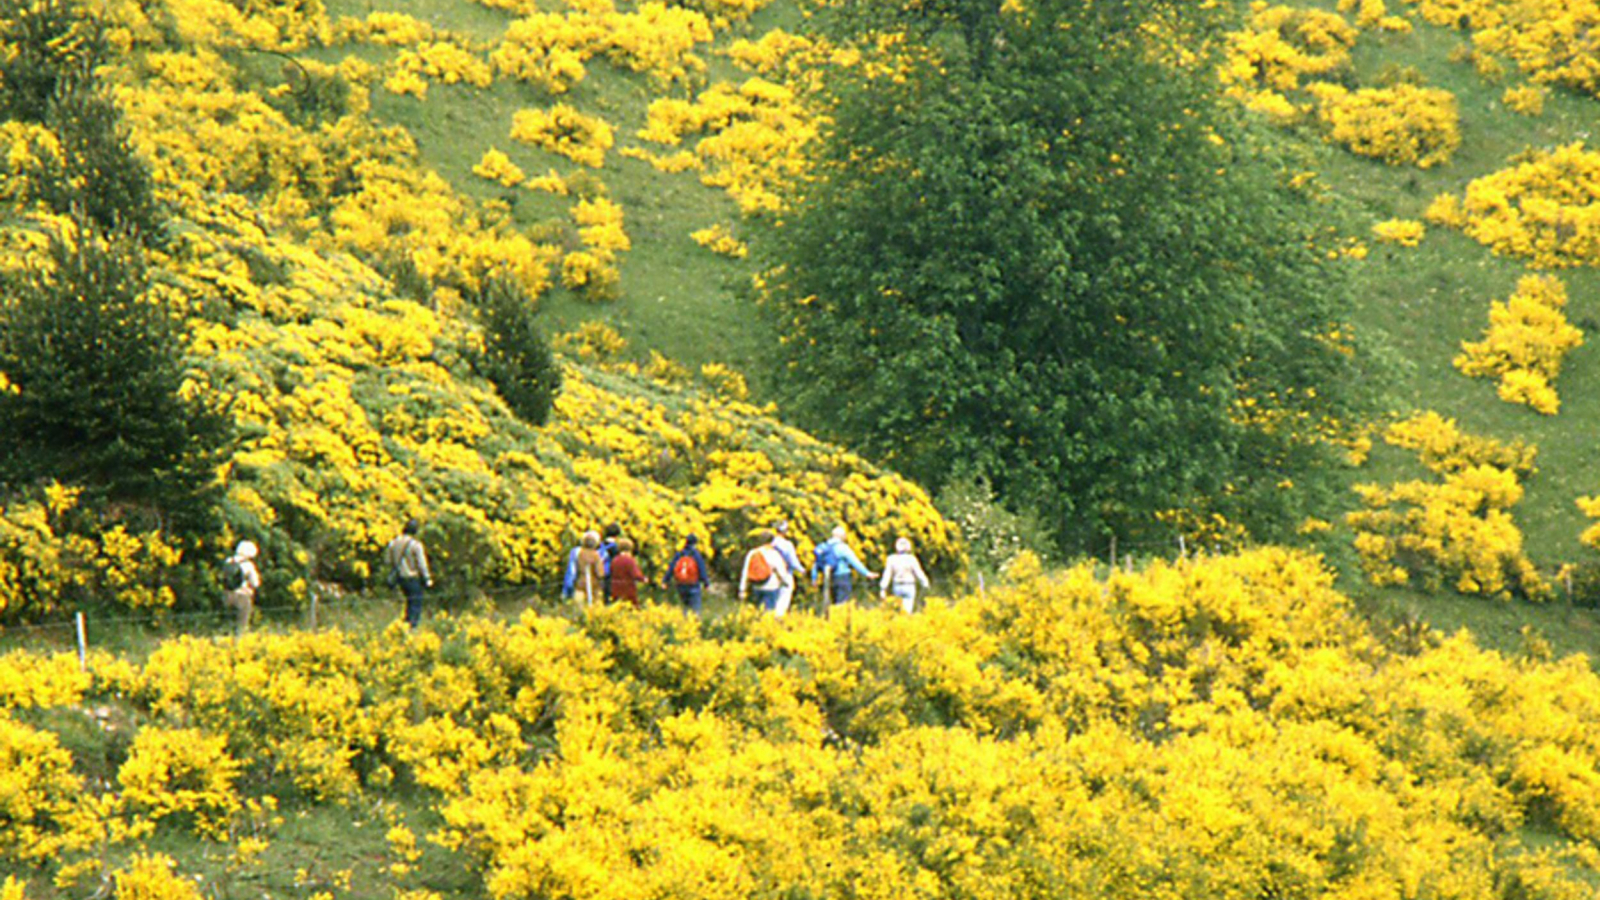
[(1416, 305), (273, 120)]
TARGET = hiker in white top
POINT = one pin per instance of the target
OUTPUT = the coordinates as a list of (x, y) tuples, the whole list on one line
[(901, 575), (243, 596), (765, 572), (782, 544)]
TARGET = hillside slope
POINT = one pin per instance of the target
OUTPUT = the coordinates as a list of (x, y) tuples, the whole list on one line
[(331, 278)]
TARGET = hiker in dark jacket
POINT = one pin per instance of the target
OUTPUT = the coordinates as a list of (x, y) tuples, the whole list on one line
[(687, 571)]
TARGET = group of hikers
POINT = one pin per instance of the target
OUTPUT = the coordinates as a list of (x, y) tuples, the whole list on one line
[(603, 567)]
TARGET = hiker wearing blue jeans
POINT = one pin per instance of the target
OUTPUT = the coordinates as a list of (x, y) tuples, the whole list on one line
[(836, 561), (408, 569), (687, 571)]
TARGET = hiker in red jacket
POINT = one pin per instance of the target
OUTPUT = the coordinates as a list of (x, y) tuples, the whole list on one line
[(626, 576)]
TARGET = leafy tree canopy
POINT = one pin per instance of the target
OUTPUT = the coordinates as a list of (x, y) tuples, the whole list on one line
[(1035, 248)]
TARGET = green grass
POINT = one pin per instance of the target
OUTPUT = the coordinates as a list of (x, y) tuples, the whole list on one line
[(1424, 302), (678, 298)]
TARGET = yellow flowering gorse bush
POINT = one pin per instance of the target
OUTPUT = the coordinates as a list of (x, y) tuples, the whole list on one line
[(1549, 40), (1541, 208), (1527, 338), (1212, 728), (1401, 125), (1457, 530)]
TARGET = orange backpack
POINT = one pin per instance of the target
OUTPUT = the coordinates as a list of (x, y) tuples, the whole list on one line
[(686, 570), (759, 569)]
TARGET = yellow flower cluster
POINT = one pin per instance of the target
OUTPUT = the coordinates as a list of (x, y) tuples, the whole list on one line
[(1401, 125), (552, 49), (1279, 47), (1540, 209), (1527, 99), (286, 26), (44, 567), (1404, 232), (751, 138), (496, 166), (1375, 14), (1590, 506), (563, 130), (180, 772), (592, 270), (546, 49), (443, 61), (1528, 337), (1550, 40), (1458, 527), (385, 29), (719, 240), (1226, 727)]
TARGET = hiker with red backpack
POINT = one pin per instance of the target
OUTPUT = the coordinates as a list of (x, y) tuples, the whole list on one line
[(766, 573), (689, 574)]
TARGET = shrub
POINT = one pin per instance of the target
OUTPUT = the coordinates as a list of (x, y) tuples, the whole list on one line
[(516, 357), (99, 388)]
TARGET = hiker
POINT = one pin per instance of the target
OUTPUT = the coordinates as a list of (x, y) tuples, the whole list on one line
[(784, 546), (833, 565), (902, 572), (586, 570), (241, 581), (766, 573), (687, 571), (408, 569), (608, 552), (626, 576)]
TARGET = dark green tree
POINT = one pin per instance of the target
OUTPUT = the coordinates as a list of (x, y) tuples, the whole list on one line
[(1036, 249), (94, 366), (516, 358)]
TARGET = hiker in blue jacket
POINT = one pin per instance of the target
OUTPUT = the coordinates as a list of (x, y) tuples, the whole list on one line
[(833, 566)]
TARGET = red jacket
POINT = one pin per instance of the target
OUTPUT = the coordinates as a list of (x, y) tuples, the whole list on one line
[(625, 578)]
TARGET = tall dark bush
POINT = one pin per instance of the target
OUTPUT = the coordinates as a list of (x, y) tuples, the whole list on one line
[(95, 366), (516, 357)]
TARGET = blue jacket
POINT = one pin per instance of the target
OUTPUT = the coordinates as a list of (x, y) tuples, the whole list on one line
[(844, 559), (569, 578)]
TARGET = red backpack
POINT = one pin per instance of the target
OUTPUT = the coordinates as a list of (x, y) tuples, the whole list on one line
[(686, 570)]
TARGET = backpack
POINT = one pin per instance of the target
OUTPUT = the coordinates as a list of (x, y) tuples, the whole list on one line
[(686, 571), (760, 568), (826, 560), (232, 575)]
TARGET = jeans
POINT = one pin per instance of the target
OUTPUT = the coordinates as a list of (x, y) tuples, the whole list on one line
[(690, 598), (767, 599), (907, 592), (412, 588), (841, 588)]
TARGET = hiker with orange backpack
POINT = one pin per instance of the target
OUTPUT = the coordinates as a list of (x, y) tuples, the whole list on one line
[(766, 572), (688, 572)]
